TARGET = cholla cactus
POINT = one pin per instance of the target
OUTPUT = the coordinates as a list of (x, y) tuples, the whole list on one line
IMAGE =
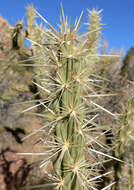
[(36, 36), (18, 37), (72, 143), (94, 29), (125, 150), (67, 107), (31, 21)]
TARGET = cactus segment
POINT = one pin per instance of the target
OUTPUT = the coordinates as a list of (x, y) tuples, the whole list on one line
[(69, 113)]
